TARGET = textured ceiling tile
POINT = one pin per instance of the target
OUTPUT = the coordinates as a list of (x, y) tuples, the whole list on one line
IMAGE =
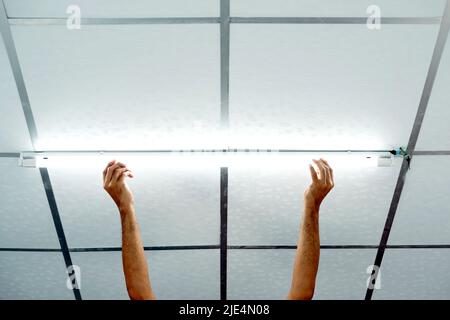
[(331, 8), (265, 205), (414, 274), (343, 274), (113, 8), (14, 136), (101, 275), (267, 274), (173, 274), (423, 214), (173, 206), (188, 274), (434, 134), (33, 275), (122, 87), (356, 210), (24, 211), (259, 274), (326, 86)]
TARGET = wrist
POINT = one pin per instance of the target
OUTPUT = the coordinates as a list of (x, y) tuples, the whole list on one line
[(311, 207), (126, 208)]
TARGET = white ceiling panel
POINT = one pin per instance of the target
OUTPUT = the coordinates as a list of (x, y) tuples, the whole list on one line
[(113, 8), (331, 8), (414, 274), (174, 206), (33, 275), (187, 274), (259, 274), (122, 87), (191, 274), (267, 274), (423, 214), (343, 274), (101, 275), (265, 205), (24, 211), (435, 134), (326, 86), (14, 136)]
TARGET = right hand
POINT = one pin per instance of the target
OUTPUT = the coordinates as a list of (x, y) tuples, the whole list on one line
[(114, 183), (322, 183)]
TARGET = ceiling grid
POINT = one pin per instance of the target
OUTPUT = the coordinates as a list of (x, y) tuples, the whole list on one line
[(26, 106), (428, 87)]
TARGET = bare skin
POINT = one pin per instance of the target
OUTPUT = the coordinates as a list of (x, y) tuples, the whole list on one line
[(135, 264), (308, 248), (133, 257)]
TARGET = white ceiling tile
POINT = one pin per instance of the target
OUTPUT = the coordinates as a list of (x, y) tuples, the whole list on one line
[(326, 86), (434, 134), (414, 274), (267, 274), (113, 8), (24, 211), (177, 206), (33, 275), (191, 274), (423, 213), (259, 274), (122, 87), (343, 274), (101, 275), (14, 136), (187, 274), (265, 205), (331, 8)]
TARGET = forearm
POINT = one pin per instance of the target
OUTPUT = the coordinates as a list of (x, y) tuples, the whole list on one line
[(307, 256), (133, 257)]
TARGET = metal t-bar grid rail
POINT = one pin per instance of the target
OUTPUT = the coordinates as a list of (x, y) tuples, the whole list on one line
[(426, 93)]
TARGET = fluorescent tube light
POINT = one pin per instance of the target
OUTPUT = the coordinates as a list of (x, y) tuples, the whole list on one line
[(205, 158)]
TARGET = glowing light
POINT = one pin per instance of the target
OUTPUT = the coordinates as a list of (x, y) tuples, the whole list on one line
[(198, 159)]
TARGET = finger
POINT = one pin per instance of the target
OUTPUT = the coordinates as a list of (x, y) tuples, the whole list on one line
[(313, 173), (322, 172), (106, 168), (329, 171), (331, 176), (110, 171), (128, 174), (118, 173)]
